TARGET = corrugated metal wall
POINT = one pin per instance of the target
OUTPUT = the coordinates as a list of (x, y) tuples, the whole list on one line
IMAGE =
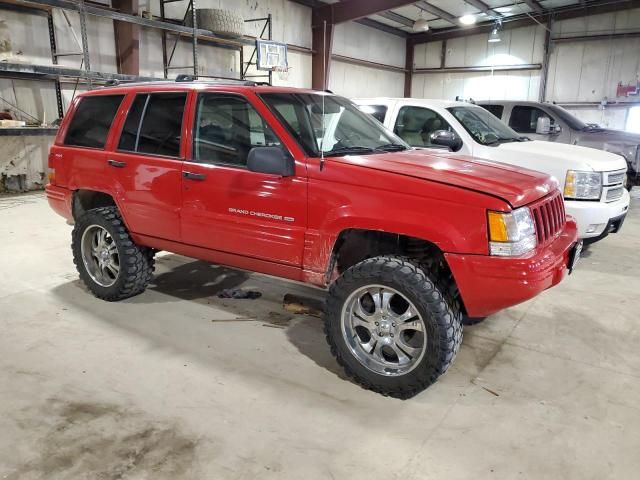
[(584, 72)]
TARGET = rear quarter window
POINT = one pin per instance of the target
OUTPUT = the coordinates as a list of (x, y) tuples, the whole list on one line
[(376, 111), (154, 124), (92, 120)]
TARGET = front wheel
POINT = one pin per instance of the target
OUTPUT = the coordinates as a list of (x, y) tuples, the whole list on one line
[(390, 327), (110, 264)]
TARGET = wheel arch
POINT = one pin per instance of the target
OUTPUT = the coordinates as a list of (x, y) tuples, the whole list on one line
[(353, 245), (87, 199)]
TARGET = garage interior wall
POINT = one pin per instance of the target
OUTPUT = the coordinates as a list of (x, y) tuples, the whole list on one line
[(364, 43), (580, 75), (291, 24), (520, 46), (583, 73)]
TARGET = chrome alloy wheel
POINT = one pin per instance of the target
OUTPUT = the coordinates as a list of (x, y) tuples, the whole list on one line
[(100, 255), (383, 330)]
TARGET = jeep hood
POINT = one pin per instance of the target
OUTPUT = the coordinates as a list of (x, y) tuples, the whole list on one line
[(515, 185), (551, 155)]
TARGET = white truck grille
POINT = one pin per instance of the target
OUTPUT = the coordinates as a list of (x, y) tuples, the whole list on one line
[(612, 185)]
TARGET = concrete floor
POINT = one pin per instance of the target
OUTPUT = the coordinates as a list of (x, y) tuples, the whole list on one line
[(177, 383)]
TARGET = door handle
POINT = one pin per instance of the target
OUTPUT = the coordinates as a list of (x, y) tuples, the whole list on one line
[(117, 164), (194, 176)]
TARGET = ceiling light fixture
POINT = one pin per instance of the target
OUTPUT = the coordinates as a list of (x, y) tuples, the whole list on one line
[(494, 36), (420, 25), (467, 19)]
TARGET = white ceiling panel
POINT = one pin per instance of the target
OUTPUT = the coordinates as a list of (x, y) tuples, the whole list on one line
[(549, 4), (456, 8), (386, 21)]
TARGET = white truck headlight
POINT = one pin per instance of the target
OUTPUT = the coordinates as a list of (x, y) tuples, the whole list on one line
[(583, 185), (511, 234)]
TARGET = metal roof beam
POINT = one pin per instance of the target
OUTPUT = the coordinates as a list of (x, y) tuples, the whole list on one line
[(438, 12), (534, 5), (401, 19), (484, 8), (348, 10)]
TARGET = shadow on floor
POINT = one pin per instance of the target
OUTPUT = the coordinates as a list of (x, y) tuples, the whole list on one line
[(283, 305), (195, 279)]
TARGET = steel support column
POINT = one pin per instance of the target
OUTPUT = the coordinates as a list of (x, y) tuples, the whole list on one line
[(127, 39), (408, 65)]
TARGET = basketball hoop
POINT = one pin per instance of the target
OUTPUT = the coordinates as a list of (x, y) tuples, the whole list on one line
[(283, 72)]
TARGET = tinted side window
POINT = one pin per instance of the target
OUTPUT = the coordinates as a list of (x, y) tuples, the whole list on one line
[(154, 124), (415, 125), (495, 109), (226, 128), (524, 119), (376, 111), (91, 122), (129, 133)]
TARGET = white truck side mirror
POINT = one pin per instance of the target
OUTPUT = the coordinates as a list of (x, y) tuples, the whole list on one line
[(543, 126)]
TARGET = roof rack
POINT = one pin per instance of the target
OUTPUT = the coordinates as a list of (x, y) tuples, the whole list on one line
[(185, 77)]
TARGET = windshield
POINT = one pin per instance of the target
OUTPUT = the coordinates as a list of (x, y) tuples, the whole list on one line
[(483, 126), (569, 118), (336, 128)]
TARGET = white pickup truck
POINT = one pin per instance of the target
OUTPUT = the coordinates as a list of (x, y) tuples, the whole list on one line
[(592, 180)]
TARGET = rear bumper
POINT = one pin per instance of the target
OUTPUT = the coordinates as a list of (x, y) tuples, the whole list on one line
[(488, 284), (60, 200)]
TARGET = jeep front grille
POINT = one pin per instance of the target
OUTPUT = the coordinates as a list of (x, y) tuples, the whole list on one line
[(549, 217)]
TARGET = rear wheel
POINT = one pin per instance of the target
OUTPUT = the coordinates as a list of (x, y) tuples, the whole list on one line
[(390, 327), (109, 263)]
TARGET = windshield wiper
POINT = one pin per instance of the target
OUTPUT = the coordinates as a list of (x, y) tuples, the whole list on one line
[(504, 140), (347, 150), (391, 147)]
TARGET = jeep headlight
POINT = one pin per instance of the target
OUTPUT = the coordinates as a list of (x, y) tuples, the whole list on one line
[(583, 185), (511, 234)]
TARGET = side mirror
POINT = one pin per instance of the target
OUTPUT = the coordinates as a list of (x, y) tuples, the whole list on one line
[(270, 160), (556, 129), (543, 126), (447, 139)]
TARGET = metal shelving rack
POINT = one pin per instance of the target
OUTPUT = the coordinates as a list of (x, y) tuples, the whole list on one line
[(90, 77), (166, 59)]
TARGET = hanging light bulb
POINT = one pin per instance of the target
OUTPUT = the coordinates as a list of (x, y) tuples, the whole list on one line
[(420, 25), (494, 36)]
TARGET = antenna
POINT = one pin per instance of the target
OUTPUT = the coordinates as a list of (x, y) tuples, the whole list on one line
[(324, 84)]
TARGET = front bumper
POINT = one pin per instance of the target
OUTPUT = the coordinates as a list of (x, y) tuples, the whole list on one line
[(60, 200), (488, 284), (596, 213)]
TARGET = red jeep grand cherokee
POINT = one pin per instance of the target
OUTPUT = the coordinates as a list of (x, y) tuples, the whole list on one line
[(301, 185)]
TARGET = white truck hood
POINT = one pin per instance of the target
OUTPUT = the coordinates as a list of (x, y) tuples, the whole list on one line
[(548, 156)]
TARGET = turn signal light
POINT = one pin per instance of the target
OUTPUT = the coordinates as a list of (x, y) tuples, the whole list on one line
[(52, 176), (497, 227)]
